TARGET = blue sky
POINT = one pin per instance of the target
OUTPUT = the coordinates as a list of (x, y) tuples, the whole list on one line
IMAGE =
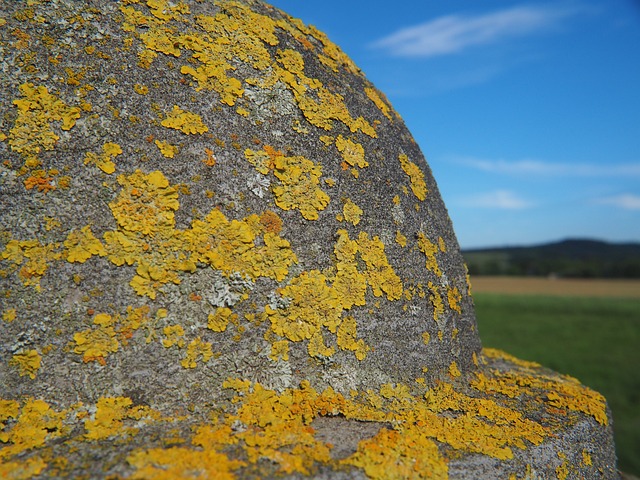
[(528, 112)]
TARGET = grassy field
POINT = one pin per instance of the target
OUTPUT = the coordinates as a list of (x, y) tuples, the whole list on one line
[(591, 333)]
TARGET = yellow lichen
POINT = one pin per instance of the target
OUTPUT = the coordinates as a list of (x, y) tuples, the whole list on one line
[(430, 250), (166, 149), (378, 99), (180, 462), (82, 245), (32, 257), (561, 392), (299, 188), (261, 160), (141, 89), (346, 338), (96, 344), (219, 320), (279, 350), (109, 332), (416, 176), (186, 122), (380, 275), (32, 132), (24, 469), (352, 212), (454, 297), (111, 414), (173, 336), (104, 161), (9, 315), (313, 305), (195, 350), (352, 152), (277, 427), (436, 300), (399, 455), (28, 362), (401, 239), (35, 424)]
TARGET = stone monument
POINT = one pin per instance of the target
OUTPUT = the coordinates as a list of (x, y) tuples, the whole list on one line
[(224, 256)]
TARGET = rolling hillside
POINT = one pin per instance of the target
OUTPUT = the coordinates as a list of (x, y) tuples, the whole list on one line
[(575, 258)]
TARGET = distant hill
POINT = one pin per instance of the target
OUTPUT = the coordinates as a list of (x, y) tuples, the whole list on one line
[(568, 258)]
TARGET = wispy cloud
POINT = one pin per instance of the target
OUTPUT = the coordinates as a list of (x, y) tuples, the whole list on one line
[(454, 33), (499, 199), (627, 201), (542, 168)]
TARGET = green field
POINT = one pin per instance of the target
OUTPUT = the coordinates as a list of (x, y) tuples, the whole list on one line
[(596, 340)]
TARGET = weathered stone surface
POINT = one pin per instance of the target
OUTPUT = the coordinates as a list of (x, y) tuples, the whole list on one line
[(222, 253)]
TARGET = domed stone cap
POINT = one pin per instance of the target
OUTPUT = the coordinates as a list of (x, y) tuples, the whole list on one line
[(223, 255)]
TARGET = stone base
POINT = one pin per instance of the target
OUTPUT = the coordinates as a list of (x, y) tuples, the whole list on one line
[(509, 419)]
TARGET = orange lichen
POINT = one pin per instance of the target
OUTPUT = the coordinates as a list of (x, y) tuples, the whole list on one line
[(104, 161), (28, 362), (210, 161), (416, 176), (40, 181), (186, 122), (271, 222)]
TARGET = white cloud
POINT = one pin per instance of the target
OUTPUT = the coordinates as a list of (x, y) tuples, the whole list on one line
[(627, 201), (538, 167), (499, 199), (455, 33)]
